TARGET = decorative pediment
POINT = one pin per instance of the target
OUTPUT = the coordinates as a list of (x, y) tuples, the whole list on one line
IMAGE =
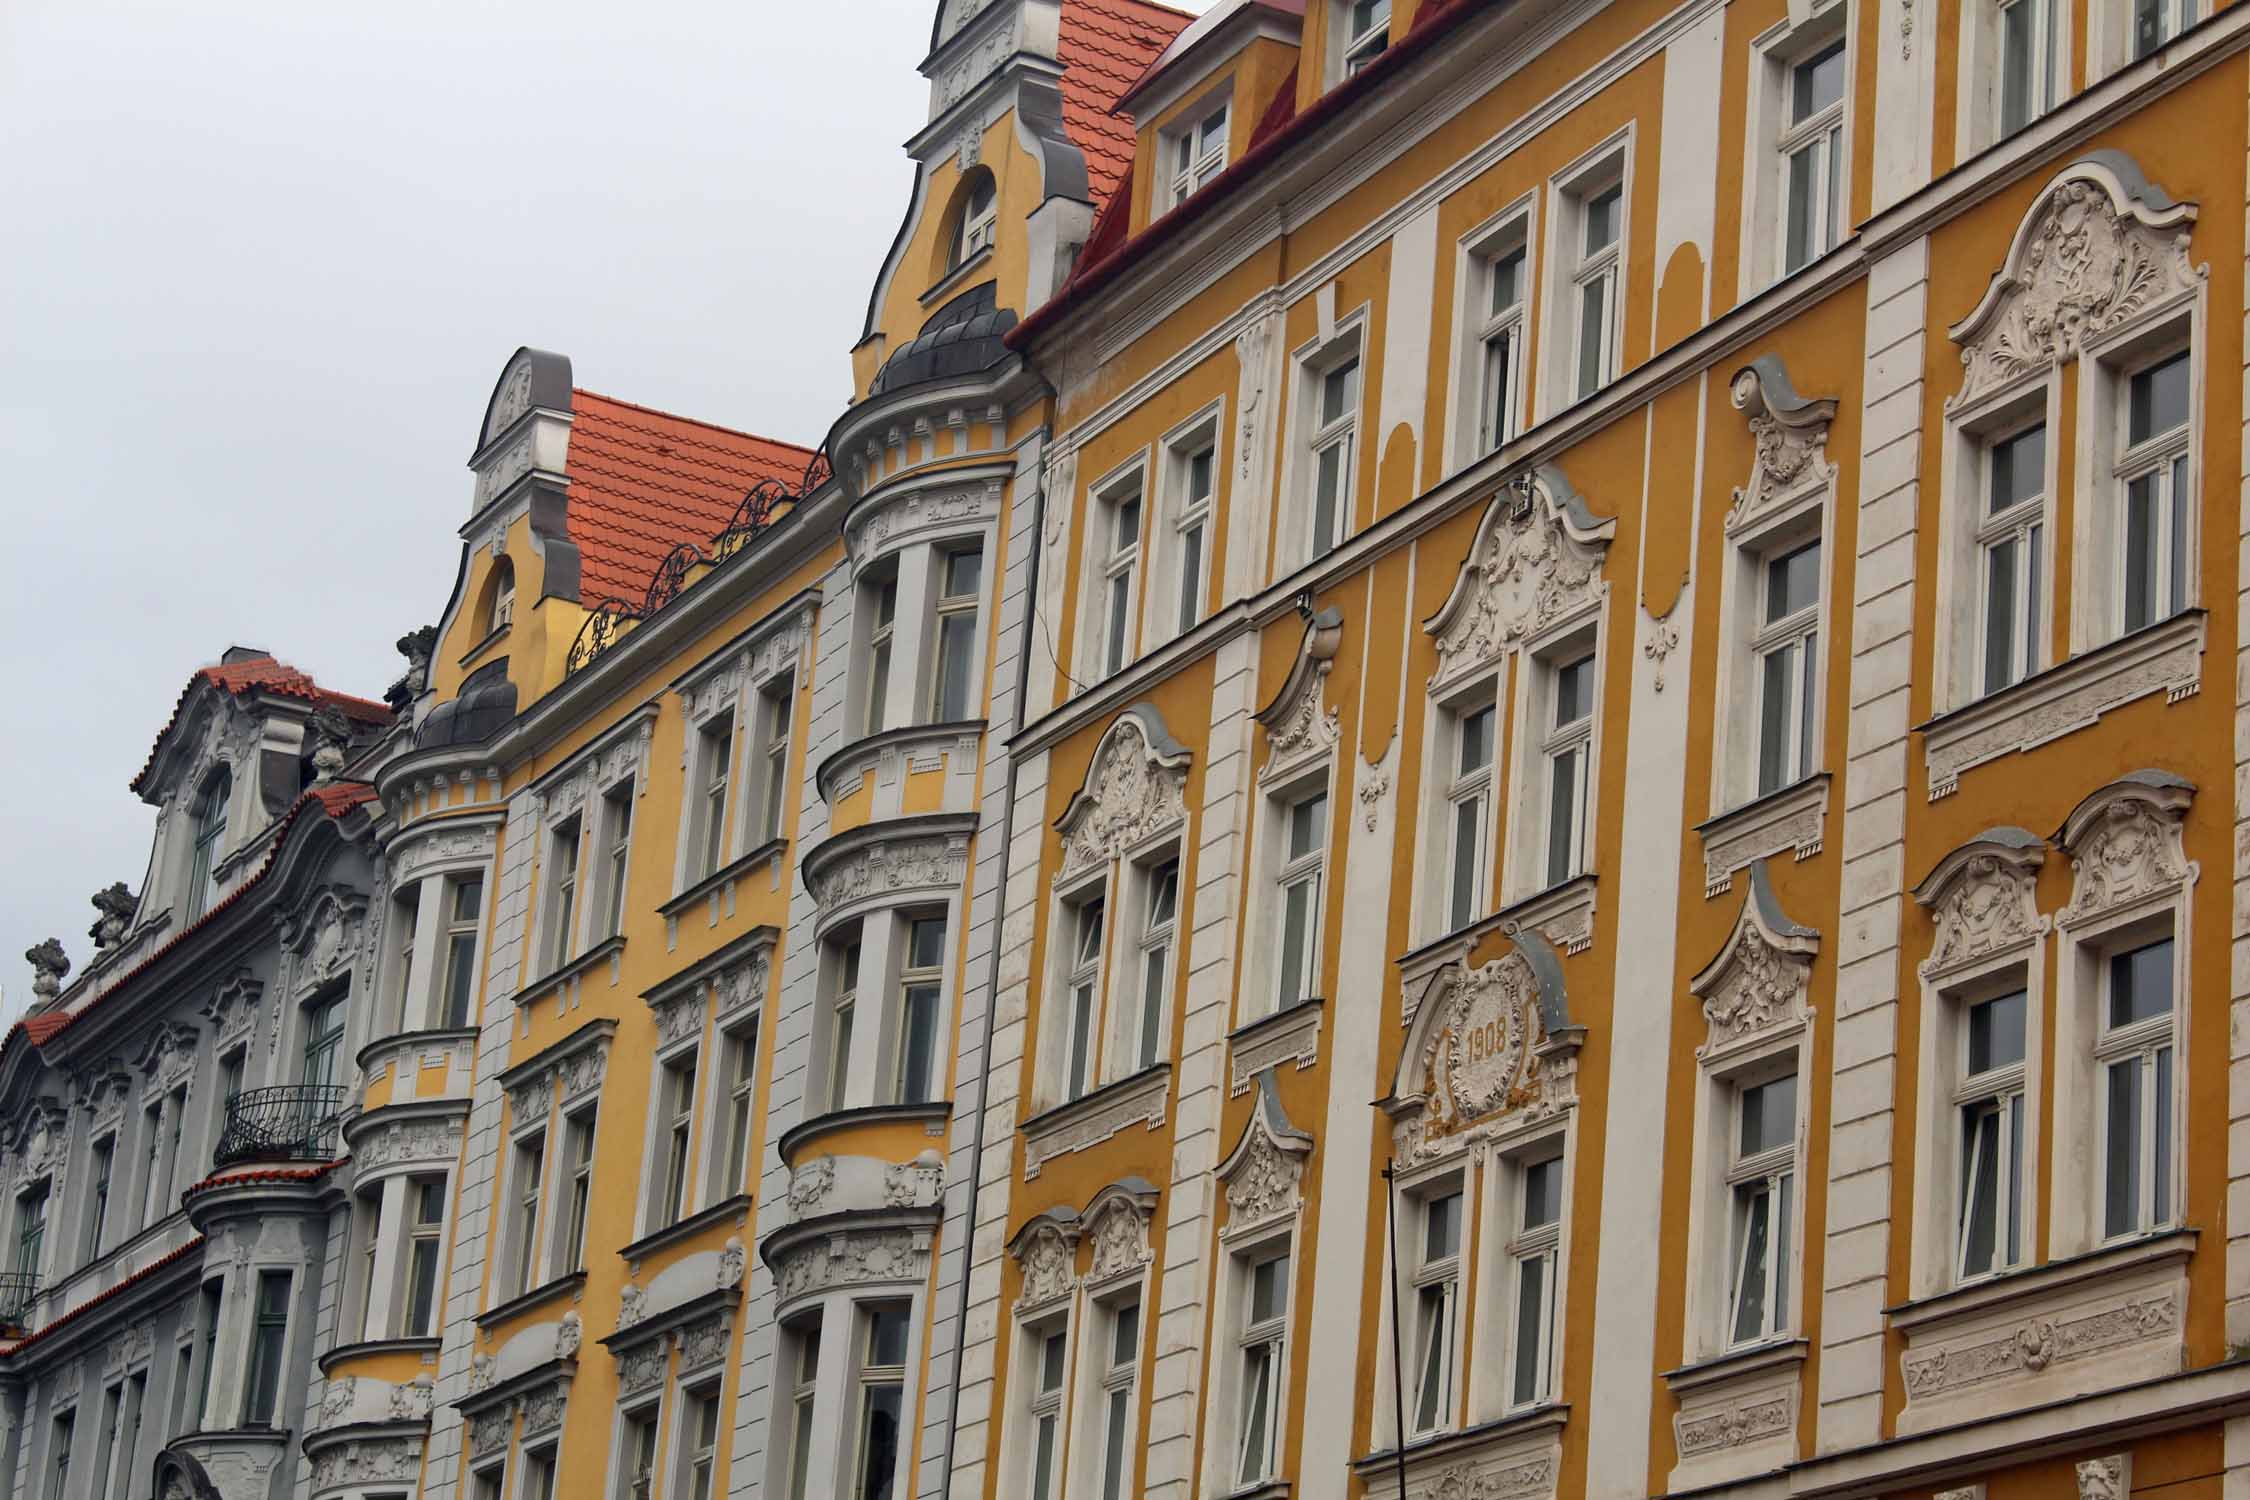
[(2125, 844), (2100, 247), (1792, 437), (1047, 1251), (679, 1017), (37, 1141), (166, 1050), (1761, 979), (1536, 561), (1263, 1175), (1491, 1050), (325, 936), (619, 758), (1117, 1226), (233, 1006), (1299, 725), (1983, 898), (1135, 788), (103, 1088)]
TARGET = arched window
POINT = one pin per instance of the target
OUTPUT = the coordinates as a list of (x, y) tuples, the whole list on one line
[(210, 833), (975, 219), (500, 596)]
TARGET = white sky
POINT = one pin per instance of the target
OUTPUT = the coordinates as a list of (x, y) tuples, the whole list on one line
[(259, 267)]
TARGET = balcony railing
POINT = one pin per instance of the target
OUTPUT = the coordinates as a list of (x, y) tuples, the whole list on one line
[(18, 1291), (290, 1122)]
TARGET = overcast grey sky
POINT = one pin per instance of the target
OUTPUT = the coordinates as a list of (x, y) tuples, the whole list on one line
[(261, 264)]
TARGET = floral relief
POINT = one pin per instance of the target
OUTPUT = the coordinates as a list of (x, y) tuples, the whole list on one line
[(1046, 1258), (2132, 850), (1132, 792), (1528, 567)]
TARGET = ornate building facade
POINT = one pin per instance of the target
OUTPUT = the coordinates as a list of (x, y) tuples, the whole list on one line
[(1482, 768)]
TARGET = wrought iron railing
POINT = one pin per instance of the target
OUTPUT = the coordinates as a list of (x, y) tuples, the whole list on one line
[(18, 1291), (290, 1122)]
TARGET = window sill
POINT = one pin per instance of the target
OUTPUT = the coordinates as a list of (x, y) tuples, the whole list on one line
[(736, 1208), (1737, 1412), (1543, 1423), (499, 634), (1272, 1040), (726, 875), (573, 1282), (343, 1352), (576, 968), (1795, 818), (1093, 1118), (2067, 696), (953, 280), (847, 770)]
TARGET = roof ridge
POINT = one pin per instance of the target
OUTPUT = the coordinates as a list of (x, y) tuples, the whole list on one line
[(673, 416)]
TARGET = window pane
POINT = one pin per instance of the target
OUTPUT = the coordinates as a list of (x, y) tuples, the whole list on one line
[(1798, 228), (956, 646), (1191, 576), (2160, 1131), (2122, 1158), (878, 1456), (2141, 522), (1269, 1283), (2158, 399), (1999, 615), (964, 571), (1468, 833), (1996, 1032), (1601, 219), (1574, 698), (1542, 1193), (1338, 390), (1776, 717), (917, 1075), (1257, 1381), (2019, 468), (2175, 536), (925, 943), (1752, 1207), (1043, 1463), (1327, 486), (1593, 300), (2140, 983), (1113, 1453), (1980, 1207), (1816, 83), (1531, 1298), (1792, 582), (1429, 1387), (1562, 816), (2016, 60), (1507, 281), (1441, 1227), (1769, 1115), (1476, 740)]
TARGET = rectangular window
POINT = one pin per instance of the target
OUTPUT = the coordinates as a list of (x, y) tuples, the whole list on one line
[(617, 842), (1262, 1352), (1787, 648), (1595, 287), (370, 1243), (2156, 22), (955, 685), (919, 985), (406, 917), (465, 905), (636, 1479), (1304, 834), (2153, 474), (129, 1429), (2134, 1053), (207, 1355), (562, 894), (1990, 1100), (1196, 471), (1760, 1176), (740, 1049), (702, 1433), (714, 761), (578, 1160), (1468, 823), (2011, 541), (539, 1475), (882, 1389), (1198, 152), (530, 1168), (1500, 344), (105, 1171), (1120, 1374), (269, 1337), (1120, 513), (31, 1230), (2027, 62), (1568, 751), (184, 1389), (1812, 157), (60, 1435), (1160, 915), (1367, 32), (841, 1010), (1085, 985), (1049, 1357), (324, 1048), (776, 702), (804, 1392), (881, 604), (105, 1439), (1335, 430), (491, 1483), (679, 1138), (210, 835), (154, 1189), (1437, 1291), (1533, 1252)]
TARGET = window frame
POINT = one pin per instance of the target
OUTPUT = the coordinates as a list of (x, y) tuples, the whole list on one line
[(2152, 1046), (913, 976), (1437, 1340), (1570, 269), (731, 1154), (1778, 1171), (1966, 528), (526, 1186), (1190, 160), (1550, 742), (2007, 1087), (946, 608), (867, 1377), (694, 1458), (1109, 1388), (613, 836), (1320, 435), (1184, 512), (775, 704), (1355, 50), (561, 911), (1045, 1410), (1292, 868), (1087, 912), (1824, 125), (1249, 1337), (581, 1121), (213, 814), (455, 930), (1143, 1028), (2168, 457), (2023, 525), (975, 224), (1113, 613)]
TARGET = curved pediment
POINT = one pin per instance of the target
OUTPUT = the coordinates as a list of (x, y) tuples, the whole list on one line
[(1536, 561), (1299, 725), (1264, 1173), (2126, 842), (1135, 788), (1761, 981), (1791, 433), (531, 378), (1982, 898), (1491, 1049)]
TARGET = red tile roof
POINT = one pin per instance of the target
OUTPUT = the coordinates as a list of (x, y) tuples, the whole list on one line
[(261, 1174), (162, 1262), (1104, 47), (262, 674), (642, 481)]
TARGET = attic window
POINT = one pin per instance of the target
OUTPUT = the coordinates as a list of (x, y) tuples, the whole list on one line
[(502, 608), (1367, 31), (210, 833), (1197, 151), (979, 215)]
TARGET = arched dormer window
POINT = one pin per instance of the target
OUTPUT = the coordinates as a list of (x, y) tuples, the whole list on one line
[(210, 834), (500, 596), (974, 219)]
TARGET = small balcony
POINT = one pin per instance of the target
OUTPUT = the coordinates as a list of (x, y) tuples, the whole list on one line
[(18, 1291), (290, 1122)]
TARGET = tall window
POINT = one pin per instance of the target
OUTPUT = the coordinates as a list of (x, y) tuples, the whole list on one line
[(841, 1011), (882, 1387), (324, 1039), (503, 606), (1992, 1164), (637, 1478), (739, 1048), (578, 1161), (1437, 1291), (1812, 155), (1568, 751), (136, 1410), (1191, 527), (105, 1172), (1500, 341), (1533, 1252), (539, 1475), (714, 763), (406, 919), (465, 896), (1367, 31), (1120, 513), (702, 1433), (1304, 833), (210, 834), (2153, 473), (1049, 1366), (1335, 427), (530, 1168), (955, 683), (979, 217), (1787, 648), (1121, 1365), (371, 1244), (1260, 1347), (269, 1335), (617, 847), (2134, 1053), (1160, 915), (1760, 1176), (679, 1136), (804, 1392), (2156, 22), (1085, 982), (562, 894), (2010, 538), (426, 1238), (207, 1351), (61, 1433), (881, 604), (776, 701), (1199, 152), (155, 1190), (1594, 283), (105, 1437), (2027, 62), (919, 983), (1469, 829), (489, 1483), (31, 1229)]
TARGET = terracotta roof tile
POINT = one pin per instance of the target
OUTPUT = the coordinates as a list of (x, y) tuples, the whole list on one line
[(643, 481), (263, 675), (1105, 46), (162, 1262), (260, 1174)]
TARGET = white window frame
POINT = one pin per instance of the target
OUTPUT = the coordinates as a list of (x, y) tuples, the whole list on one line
[(872, 691), (946, 607), (1771, 136), (613, 807), (1322, 435), (1722, 1074), (1572, 270), (1480, 425), (1087, 915), (1291, 868), (1433, 1290), (843, 980), (1114, 583), (1045, 1406), (456, 930), (1965, 532), (2099, 525), (1779, 1173), (1981, 116), (1799, 632), (2023, 527), (2151, 1045), (976, 226), (801, 1350), (2167, 459), (417, 1234), (897, 1022), (1191, 157), (678, 1084), (1155, 962), (562, 907), (775, 703), (2112, 24), (526, 1186), (1356, 49), (717, 742), (733, 1097), (1107, 1392), (1545, 744), (692, 1456), (2002, 1089), (638, 1421), (865, 1378), (1174, 581), (1823, 127), (1452, 788)]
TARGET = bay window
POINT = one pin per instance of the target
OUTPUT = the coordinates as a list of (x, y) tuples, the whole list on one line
[(464, 912), (879, 605), (425, 1245), (954, 684), (915, 1035)]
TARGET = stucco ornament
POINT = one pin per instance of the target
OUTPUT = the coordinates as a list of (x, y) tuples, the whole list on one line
[(1536, 560), (1982, 899), (810, 1182), (899, 864), (632, 1305), (1791, 434), (568, 1333), (2099, 247), (910, 1184), (1482, 1058), (1120, 1239), (2125, 844), (1762, 976), (336, 1401), (1262, 1175), (1046, 1257), (733, 1262), (1250, 347), (1465, 1481), (850, 1258), (412, 1401), (1135, 788), (2102, 1478), (1732, 1426)]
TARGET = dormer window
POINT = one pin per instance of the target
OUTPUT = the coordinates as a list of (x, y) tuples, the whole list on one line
[(1197, 151), (979, 216), (1367, 31), (210, 834), (503, 609)]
